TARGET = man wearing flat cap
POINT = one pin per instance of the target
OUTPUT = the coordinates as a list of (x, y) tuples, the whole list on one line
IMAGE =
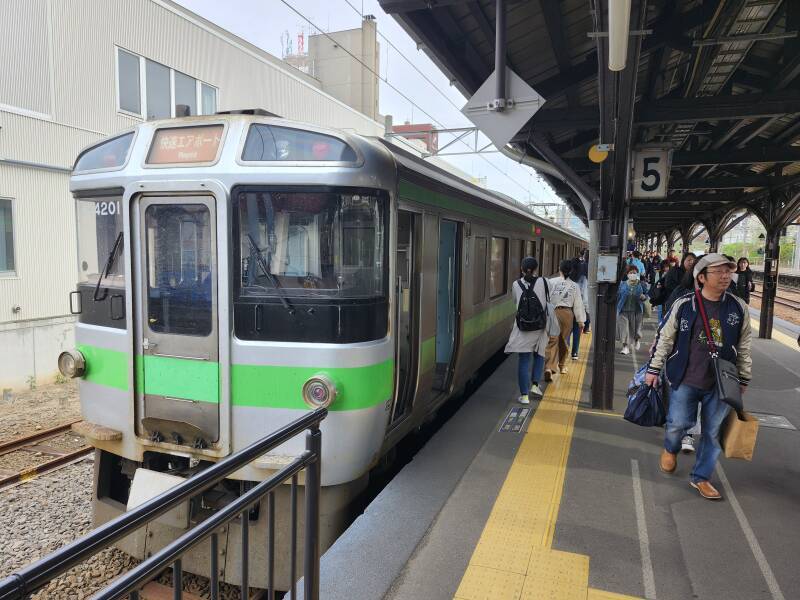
[(682, 351)]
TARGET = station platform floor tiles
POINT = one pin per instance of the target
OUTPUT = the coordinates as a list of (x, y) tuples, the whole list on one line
[(574, 506)]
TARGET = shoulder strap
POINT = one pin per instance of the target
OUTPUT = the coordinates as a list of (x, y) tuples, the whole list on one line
[(712, 347)]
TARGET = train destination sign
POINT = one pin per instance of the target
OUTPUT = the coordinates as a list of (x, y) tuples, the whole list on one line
[(185, 145)]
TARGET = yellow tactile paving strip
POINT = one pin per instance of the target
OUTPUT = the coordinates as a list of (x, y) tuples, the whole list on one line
[(778, 336), (514, 558)]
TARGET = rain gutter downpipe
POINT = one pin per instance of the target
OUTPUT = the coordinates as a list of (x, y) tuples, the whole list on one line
[(500, 57)]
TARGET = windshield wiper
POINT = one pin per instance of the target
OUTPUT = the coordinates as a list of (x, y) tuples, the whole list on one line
[(273, 280), (107, 269)]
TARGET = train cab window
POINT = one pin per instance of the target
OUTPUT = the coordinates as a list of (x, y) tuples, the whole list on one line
[(111, 154), (101, 276), (323, 251), (479, 271), (498, 270), (178, 276), (271, 143)]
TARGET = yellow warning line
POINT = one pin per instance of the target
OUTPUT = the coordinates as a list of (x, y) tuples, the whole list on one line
[(601, 413), (513, 558), (778, 336)]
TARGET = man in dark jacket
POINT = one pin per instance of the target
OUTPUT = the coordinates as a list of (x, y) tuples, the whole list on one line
[(682, 351)]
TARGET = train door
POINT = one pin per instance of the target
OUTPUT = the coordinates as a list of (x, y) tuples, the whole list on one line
[(448, 284), (177, 364), (407, 313)]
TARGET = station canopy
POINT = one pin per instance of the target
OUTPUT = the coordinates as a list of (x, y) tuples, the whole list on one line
[(711, 89)]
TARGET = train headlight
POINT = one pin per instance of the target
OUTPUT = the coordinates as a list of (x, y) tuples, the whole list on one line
[(71, 364), (319, 391)]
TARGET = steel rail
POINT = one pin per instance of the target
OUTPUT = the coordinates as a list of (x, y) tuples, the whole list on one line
[(31, 472), (27, 440)]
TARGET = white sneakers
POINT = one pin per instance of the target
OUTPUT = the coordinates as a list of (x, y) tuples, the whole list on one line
[(574, 357), (625, 349), (524, 400), (536, 390), (563, 370), (687, 444), (637, 345)]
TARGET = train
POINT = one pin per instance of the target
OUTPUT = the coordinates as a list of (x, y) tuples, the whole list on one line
[(240, 269)]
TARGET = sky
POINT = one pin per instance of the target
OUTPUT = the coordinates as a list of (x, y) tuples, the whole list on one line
[(263, 23)]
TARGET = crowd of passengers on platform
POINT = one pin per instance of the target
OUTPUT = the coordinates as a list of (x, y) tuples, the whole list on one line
[(691, 296)]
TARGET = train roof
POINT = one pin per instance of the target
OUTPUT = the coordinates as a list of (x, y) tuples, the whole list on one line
[(364, 145)]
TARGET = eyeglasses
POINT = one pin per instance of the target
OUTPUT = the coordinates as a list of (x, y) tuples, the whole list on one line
[(719, 271)]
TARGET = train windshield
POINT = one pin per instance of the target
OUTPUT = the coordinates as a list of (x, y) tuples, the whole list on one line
[(312, 244), (99, 225)]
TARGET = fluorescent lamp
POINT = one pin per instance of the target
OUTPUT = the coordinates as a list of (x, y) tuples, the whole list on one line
[(619, 22)]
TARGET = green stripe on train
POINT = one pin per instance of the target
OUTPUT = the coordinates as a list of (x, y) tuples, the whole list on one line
[(264, 386), (281, 387), (196, 380), (425, 196), (105, 367), (484, 321)]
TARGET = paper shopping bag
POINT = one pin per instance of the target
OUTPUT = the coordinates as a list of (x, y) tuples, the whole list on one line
[(739, 432)]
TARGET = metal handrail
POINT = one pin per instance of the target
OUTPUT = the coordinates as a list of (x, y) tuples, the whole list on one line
[(28, 580)]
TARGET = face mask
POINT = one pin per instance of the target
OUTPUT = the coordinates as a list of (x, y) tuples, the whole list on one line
[(633, 277)]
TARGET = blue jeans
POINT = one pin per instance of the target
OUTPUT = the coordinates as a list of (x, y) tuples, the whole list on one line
[(524, 376), (660, 308), (683, 415)]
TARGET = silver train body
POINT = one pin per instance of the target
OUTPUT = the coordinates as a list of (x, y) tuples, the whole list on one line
[(238, 270)]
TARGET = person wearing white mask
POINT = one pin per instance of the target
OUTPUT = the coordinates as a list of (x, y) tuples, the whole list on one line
[(630, 309)]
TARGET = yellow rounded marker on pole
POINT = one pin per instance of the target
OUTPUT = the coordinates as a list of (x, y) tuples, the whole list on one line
[(596, 155)]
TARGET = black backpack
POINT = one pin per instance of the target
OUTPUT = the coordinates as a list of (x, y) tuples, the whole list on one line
[(531, 315)]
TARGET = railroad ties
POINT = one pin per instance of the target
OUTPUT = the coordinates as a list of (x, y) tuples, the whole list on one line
[(33, 443)]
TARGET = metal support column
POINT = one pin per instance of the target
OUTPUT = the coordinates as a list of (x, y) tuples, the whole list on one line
[(771, 255), (311, 541), (500, 56)]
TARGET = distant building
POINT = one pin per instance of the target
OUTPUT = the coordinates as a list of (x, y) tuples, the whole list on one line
[(77, 71), (420, 131), (345, 63)]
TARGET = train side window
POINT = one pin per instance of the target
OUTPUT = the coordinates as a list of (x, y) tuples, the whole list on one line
[(530, 248), (479, 271), (498, 278)]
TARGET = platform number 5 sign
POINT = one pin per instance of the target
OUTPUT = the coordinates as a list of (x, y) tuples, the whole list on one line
[(651, 173)]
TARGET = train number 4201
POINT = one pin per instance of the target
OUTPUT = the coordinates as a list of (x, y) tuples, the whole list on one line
[(105, 209)]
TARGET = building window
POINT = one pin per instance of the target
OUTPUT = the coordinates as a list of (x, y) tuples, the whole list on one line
[(479, 271), (159, 104), (130, 93), (208, 96), (147, 88), (185, 95), (498, 272), (6, 238)]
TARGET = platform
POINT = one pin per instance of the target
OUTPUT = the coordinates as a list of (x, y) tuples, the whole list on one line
[(574, 505)]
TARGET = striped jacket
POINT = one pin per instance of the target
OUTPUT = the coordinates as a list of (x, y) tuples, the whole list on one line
[(671, 349)]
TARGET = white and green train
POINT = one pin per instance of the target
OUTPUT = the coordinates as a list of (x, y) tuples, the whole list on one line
[(238, 270)]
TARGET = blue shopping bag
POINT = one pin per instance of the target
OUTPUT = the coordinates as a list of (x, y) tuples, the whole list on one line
[(645, 404)]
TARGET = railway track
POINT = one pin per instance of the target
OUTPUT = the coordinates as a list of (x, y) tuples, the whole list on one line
[(33, 443), (782, 301)]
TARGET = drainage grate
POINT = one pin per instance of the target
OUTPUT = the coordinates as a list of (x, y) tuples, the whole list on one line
[(777, 421), (515, 419)]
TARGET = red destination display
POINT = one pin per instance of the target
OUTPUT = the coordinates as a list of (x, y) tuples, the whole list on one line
[(185, 145)]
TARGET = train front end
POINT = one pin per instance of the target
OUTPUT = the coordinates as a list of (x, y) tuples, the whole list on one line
[(233, 274)]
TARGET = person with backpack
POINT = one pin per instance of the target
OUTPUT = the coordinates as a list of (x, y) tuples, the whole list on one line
[(568, 304), (529, 337)]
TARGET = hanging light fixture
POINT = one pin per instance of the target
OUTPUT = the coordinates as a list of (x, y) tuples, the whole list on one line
[(619, 24)]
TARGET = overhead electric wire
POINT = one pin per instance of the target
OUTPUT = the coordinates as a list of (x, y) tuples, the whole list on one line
[(386, 81)]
